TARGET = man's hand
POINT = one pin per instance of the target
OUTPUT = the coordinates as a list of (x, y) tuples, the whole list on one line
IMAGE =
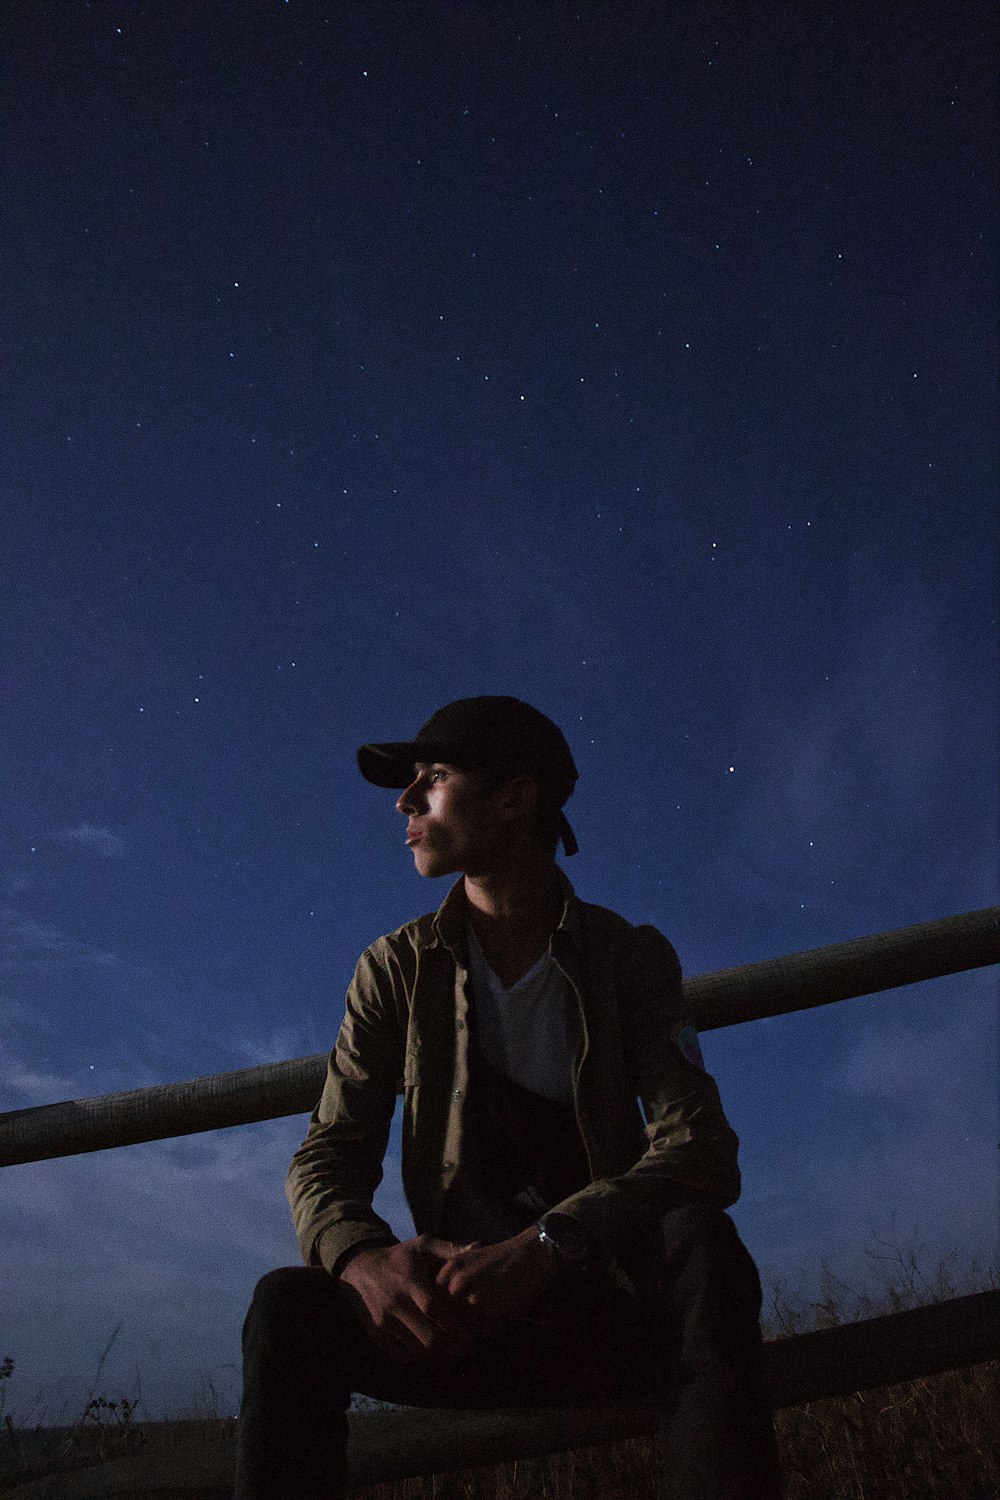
[(394, 1291), (499, 1281)]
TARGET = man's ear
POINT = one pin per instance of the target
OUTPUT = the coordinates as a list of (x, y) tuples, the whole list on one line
[(517, 797)]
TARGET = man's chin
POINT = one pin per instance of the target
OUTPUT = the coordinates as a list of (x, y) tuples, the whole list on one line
[(430, 867)]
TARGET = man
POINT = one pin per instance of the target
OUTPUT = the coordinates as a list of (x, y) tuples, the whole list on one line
[(565, 1252)]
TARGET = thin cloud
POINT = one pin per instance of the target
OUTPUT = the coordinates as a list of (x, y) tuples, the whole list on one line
[(282, 1043), (857, 771), (30, 947), (105, 843), (893, 1061), (36, 1086)]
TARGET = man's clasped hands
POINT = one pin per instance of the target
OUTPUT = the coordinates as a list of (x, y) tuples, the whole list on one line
[(428, 1296)]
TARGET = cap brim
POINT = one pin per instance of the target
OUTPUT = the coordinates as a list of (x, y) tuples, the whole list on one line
[(389, 765)]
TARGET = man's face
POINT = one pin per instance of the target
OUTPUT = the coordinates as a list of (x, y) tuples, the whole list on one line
[(452, 822)]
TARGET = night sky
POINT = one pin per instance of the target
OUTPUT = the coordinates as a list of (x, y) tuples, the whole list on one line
[(637, 360)]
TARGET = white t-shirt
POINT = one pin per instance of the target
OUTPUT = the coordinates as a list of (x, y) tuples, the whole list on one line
[(521, 1032)]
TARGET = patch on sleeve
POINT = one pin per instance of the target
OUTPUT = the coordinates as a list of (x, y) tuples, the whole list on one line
[(687, 1043)]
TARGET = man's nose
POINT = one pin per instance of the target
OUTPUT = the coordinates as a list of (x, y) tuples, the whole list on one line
[(408, 801)]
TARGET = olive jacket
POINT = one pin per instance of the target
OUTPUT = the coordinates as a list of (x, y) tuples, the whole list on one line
[(406, 1030)]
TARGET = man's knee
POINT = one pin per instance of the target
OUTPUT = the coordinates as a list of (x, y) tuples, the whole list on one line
[(291, 1301), (277, 1288)]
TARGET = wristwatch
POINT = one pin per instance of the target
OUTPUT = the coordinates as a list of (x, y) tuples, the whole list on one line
[(563, 1237)]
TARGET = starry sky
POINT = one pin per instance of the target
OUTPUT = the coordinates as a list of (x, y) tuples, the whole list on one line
[(638, 361)]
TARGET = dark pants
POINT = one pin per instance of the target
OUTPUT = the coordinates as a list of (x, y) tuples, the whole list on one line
[(683, 1337)]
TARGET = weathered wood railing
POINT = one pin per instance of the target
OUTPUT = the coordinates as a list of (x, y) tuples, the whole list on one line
[(807, 1367)]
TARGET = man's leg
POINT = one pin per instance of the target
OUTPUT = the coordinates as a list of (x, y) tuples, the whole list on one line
[(299, 1346), (718, 1435)]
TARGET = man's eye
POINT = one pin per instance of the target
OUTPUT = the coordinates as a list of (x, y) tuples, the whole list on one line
[(438, 775)]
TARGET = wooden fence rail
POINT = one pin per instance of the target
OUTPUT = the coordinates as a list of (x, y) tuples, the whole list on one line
[(798, 981)]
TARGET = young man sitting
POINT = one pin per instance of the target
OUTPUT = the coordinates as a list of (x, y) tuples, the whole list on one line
[(569, 1249)]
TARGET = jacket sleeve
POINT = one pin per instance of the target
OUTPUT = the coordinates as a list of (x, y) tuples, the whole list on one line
[(690, 1151), (333, 1175)]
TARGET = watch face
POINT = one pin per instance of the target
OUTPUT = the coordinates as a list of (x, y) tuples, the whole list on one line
[(567, 1237)]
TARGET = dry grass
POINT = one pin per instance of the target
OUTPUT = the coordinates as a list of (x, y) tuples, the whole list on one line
[(930, 1439), (39, 1453), (935, 1439)]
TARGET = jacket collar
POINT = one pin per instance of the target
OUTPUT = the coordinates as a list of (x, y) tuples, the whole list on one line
[(449, 921)]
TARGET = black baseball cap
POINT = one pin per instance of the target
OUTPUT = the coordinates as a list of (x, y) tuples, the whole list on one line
[(491, 734)]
